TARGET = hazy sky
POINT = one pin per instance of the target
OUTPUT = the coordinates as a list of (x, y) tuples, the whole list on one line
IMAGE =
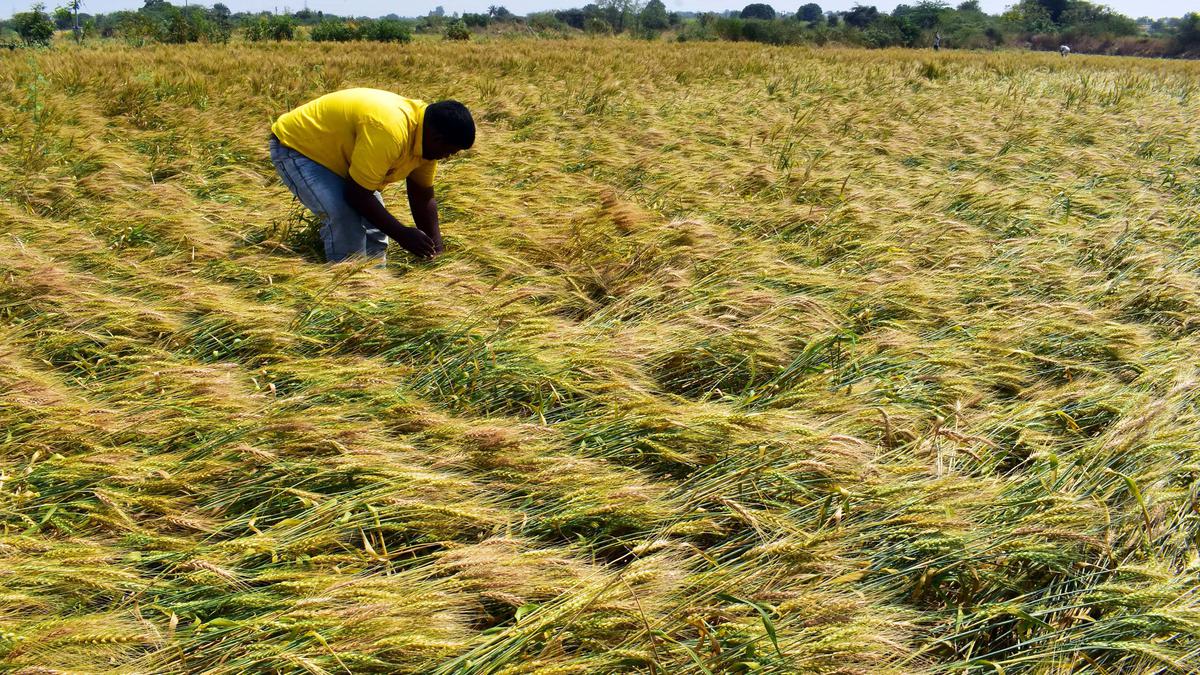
[(1134, 8)]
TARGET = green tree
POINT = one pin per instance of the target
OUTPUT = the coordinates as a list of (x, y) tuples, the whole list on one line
[(1029, 17), (758, 10), (1188, 36), (861, 16), (34, 26), (333, 30), (281, 28), (136, 28), (388, 30), (597, 26), (654, 16), (180, 28), (457, 30), (432, 23), (575, 17), (619, 14), (271, 28), (62, 18), (891, 31), (927, 14), (1084, 18), (221, 20), (810, 13), (1054, 8), (476, 20), (190, 24), (544, 22), (159, 10)]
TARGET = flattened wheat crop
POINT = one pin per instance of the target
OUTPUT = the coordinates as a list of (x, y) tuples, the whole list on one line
[(740, 360)]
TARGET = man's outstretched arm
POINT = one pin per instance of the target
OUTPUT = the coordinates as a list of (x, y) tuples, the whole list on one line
[(425, 212), (412, 239)]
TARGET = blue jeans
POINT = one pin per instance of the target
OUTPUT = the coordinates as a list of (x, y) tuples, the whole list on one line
[(343, 231)]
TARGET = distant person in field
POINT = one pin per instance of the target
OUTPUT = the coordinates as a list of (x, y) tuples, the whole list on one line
[(937, 41), (1064, 50), (336, 152)]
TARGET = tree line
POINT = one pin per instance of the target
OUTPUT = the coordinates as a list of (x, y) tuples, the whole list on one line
[(1037, 24), (160, 21)]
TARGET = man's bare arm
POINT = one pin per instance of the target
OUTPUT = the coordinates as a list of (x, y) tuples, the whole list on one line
[(425, 212), (412, 239)]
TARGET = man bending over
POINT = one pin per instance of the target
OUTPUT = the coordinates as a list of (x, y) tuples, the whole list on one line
[(335, 153)]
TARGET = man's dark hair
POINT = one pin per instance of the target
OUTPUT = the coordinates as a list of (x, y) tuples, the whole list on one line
[(453, 123)]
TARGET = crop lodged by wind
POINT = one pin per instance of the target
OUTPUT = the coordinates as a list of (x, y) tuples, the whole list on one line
[(740, 360)]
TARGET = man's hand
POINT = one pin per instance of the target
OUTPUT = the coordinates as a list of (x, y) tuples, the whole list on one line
[(417, 242)]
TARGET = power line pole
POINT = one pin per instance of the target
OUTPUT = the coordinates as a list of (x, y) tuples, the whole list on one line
[(75, 10)]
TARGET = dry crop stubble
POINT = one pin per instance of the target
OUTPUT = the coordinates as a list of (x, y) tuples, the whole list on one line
[(741, 359)]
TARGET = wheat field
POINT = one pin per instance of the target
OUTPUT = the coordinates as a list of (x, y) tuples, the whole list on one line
[(740, 360)]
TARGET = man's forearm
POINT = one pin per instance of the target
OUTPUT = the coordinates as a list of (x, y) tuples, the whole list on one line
[(425, 212), (370, 208)]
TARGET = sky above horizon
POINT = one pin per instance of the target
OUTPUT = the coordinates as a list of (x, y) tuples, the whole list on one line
[(1133, 8)]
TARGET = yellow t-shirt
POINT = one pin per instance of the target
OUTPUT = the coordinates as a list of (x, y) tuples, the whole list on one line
[(370, 135)]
